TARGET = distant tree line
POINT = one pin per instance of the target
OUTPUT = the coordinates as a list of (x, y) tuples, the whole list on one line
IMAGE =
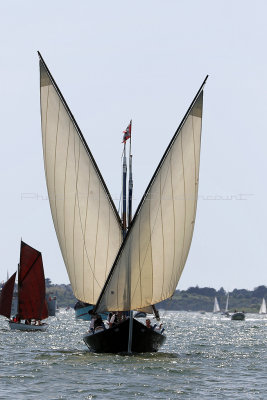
[(202, 299), (192, 299)]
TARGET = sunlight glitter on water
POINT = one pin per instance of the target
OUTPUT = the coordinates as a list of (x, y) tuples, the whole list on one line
[(204, 357)]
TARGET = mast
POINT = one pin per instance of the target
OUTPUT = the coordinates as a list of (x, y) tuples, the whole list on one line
[(130, 185), (19, 282), (18, 291), (124, 224), (164, 261), (130, 195), (227, 302), (124, 195)]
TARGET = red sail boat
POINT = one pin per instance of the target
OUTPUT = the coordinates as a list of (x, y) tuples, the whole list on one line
[(32, 306)]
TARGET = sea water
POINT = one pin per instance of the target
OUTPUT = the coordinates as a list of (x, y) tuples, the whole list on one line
[(205, 356)]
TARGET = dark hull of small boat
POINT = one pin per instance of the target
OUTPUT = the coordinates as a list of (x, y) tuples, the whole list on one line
[(115, 339), (29, 328), (238, 316), (140, 314)]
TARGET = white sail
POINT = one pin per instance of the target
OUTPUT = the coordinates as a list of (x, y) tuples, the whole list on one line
[(87, 225), (216, 307), (153, 255), (263, 307)]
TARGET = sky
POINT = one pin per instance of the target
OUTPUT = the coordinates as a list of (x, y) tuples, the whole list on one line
[(143, 60)]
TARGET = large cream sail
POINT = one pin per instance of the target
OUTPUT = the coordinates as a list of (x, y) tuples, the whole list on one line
[(87, 224), (152, 257)]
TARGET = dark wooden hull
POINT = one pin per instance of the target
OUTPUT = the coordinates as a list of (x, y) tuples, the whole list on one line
[(115, 339)]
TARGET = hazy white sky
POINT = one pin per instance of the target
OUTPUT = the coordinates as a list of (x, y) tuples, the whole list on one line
[(145, 60)]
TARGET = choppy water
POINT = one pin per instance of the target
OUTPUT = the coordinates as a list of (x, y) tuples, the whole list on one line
[(204, 357)]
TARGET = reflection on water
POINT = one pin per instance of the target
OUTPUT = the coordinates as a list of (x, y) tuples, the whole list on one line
[(206, 356)]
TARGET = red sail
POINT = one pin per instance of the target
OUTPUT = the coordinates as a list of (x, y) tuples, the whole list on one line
[(32, 302), (6, 296)]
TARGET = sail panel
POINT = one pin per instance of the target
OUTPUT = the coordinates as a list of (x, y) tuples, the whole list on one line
[(87, 224), (155, 250), (31, 290), (216, 307), (6, 296), (263, 309)]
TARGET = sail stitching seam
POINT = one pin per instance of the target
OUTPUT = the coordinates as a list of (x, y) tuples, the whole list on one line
[(174, 221), (64, 209), (182, 252), (77, 165), (151, 234), (85, 227)]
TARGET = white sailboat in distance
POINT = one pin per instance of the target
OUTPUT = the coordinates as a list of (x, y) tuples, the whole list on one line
[(216, 307), (263, 307)]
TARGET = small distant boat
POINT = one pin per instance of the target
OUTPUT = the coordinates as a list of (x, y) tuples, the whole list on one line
[(216, 307), (51, 305), (31, 302), (226, 311), (140, 314), (263, 307), (238, 316), (82, 311)]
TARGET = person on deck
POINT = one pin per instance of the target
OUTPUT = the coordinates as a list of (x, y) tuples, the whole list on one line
[(148, 324), (98, 323), (112, 320)]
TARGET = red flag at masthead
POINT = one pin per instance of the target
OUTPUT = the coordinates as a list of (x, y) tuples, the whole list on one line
[(127, 132)]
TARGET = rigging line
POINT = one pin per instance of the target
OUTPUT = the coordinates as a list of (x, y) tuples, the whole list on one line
[(162, 232), (83, 235), (81, 226), (139, 259), (54, 174), (120, 202), (45, 154), (107, 254), (64, 204), (151, 255), (45, 129), (77, 166), (27, 273), (85, 227), (181, 259), (174, 219), (84, 231), (96, 235), (44, 137), (195, 206), (196, 174), (151, 232)]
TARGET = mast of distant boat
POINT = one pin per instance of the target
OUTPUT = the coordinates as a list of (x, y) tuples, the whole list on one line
[(17, 314), (227, 303)]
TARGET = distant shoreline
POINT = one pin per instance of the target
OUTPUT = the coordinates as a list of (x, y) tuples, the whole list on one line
[(192, 299)]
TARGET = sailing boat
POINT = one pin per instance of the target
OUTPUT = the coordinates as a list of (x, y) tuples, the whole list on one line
[(113, 265), (226, 311), (216, 307), (31, 303), (263, 307)]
